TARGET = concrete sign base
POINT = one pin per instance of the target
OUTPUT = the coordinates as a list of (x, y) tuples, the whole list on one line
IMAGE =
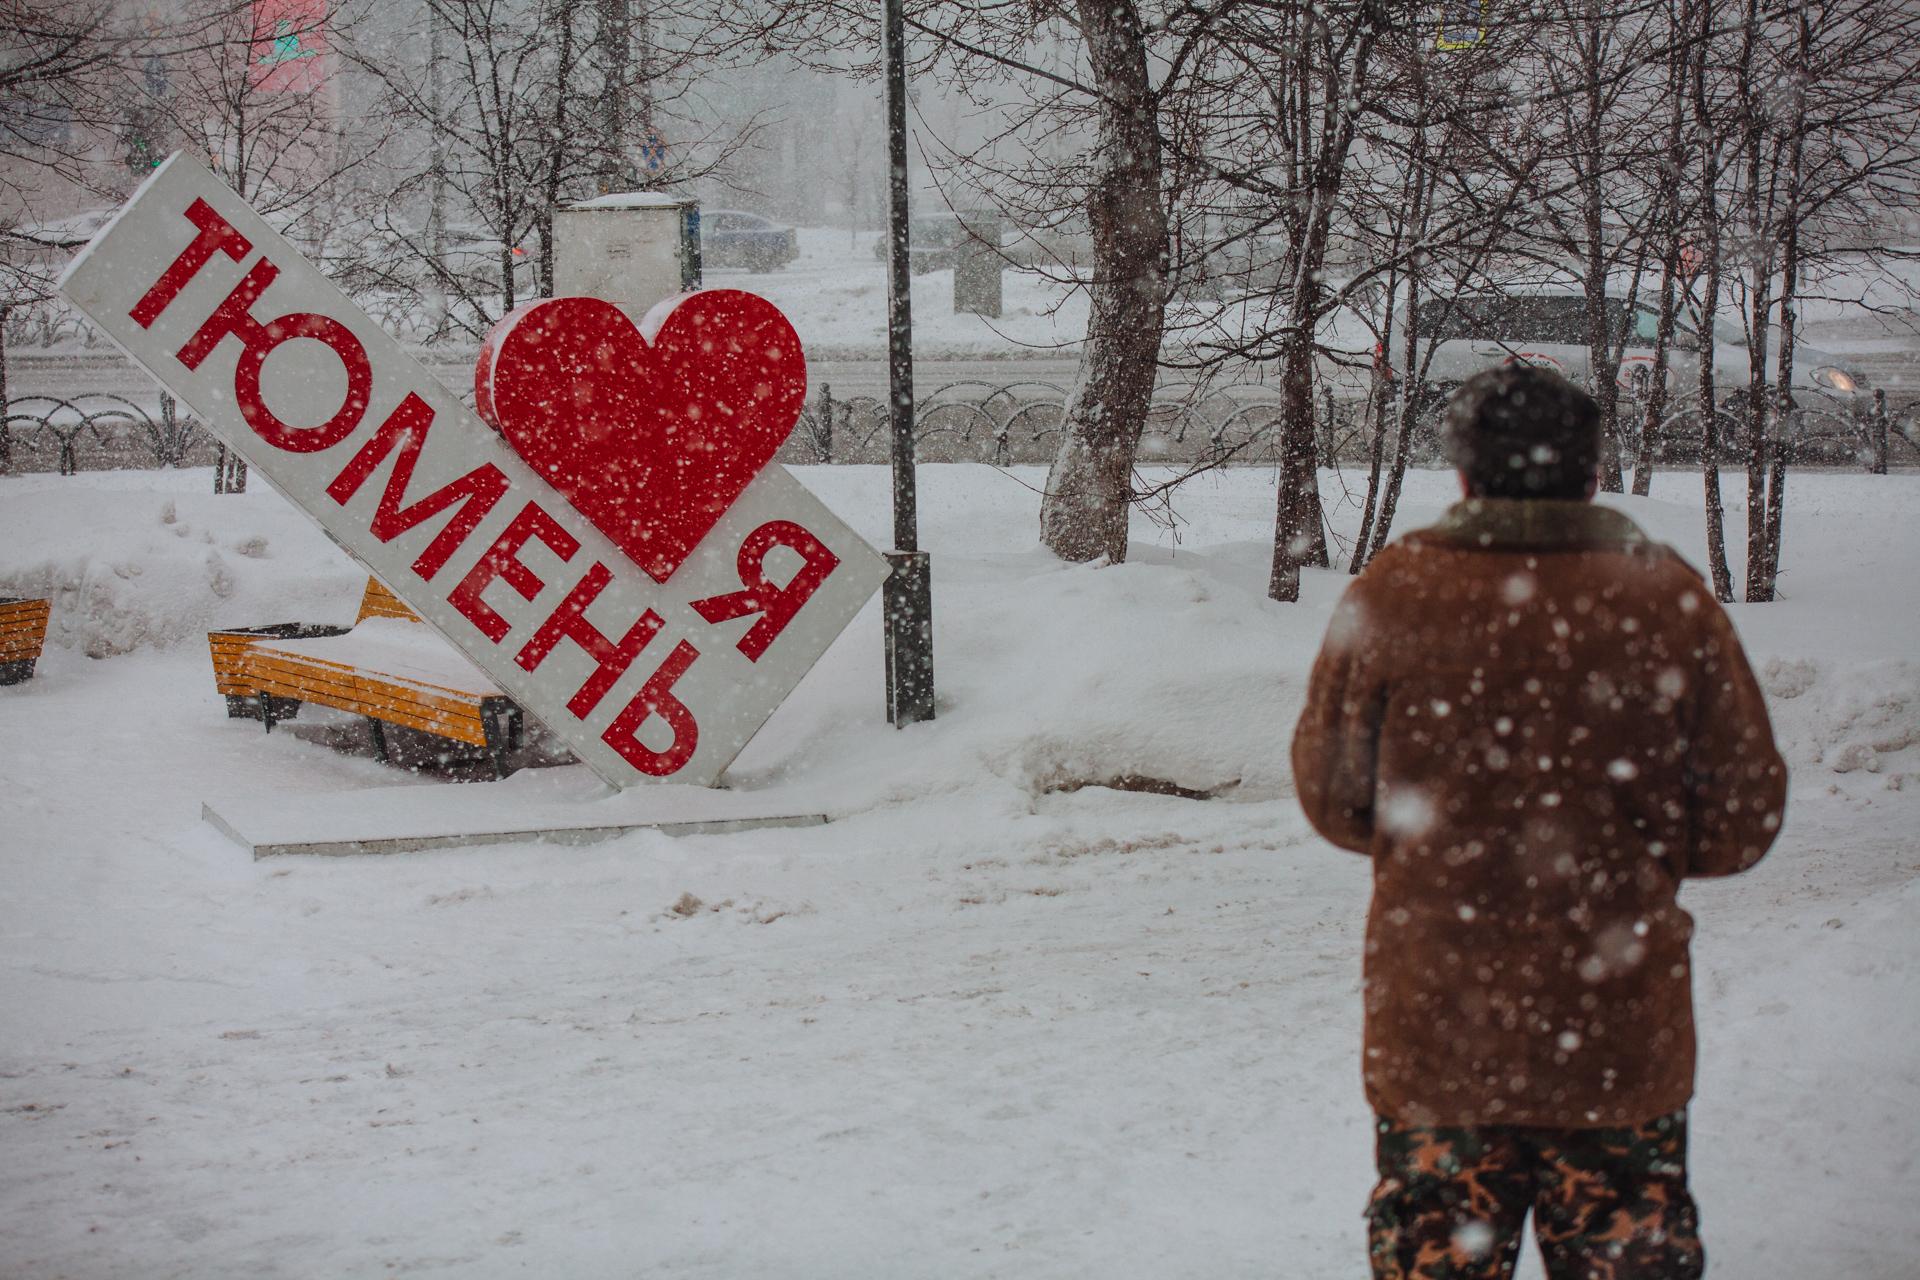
[(412, 819)]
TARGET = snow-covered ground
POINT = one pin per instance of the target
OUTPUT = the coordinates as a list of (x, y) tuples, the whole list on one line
[(988, 1022)]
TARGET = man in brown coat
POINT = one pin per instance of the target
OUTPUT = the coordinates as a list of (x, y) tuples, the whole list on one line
[(1536, 723)]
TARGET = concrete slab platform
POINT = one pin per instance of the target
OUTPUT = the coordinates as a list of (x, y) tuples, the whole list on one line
[(410, 819)]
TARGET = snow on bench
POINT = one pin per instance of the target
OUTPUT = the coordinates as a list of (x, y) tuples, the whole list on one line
[(388, 667)]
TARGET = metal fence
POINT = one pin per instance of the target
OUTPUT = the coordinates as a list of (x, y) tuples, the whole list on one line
[(100, 432), (49, 324), (959, 422), (1018, 423), (968, 421)]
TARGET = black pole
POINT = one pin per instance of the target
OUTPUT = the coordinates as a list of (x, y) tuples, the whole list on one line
[(6, 431), (906, 534), (908, 596)]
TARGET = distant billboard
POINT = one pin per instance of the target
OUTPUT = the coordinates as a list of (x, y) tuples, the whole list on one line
[(289, 49), (1463, 24)]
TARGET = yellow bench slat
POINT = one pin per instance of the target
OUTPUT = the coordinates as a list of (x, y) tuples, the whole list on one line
[(290, 668), (470, 731), (378, 602), (361, 695), (426, 689)]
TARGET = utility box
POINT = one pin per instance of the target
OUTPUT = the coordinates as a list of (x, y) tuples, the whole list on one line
[(634, 248), (977, 264)]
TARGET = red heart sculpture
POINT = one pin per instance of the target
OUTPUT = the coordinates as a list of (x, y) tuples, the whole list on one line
[(651, 441)]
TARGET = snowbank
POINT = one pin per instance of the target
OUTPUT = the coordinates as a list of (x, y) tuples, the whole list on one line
[(1847, 717), (144, 559)]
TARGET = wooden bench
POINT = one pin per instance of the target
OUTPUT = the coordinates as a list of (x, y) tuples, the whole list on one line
[(23, 633), (389, 668)]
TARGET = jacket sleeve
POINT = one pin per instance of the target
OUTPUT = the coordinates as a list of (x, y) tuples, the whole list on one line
[(1737, 781), (1336, 744)]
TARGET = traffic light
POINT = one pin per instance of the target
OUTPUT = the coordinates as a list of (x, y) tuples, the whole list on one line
[(140, 155), (140, 147)]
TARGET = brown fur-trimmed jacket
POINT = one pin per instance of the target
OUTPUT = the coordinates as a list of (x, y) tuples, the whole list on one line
[(1536, 723)]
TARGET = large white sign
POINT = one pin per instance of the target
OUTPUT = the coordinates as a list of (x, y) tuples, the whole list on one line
[(660, 671)]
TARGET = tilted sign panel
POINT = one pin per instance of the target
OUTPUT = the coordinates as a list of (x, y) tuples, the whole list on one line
[(640, 683)]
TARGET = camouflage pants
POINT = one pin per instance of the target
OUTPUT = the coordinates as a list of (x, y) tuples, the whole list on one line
[(1608, 1204)]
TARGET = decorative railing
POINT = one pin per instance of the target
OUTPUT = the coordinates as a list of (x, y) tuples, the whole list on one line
[(968, 421), (100, 432), (959, 422), (1017, 423)]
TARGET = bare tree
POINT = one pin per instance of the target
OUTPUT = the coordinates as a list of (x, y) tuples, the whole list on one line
[(1601, 87), (1666, 233), (60, 65), (1321, 122), (55, 58), (1818, 109), (263, 105), (1326, 91), (1266, 131), (1446, 174), (1710, 157), (1081, 92), (518, 106), (1084, 513)]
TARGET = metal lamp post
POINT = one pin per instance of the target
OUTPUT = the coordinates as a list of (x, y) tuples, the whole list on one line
[(907, 597)]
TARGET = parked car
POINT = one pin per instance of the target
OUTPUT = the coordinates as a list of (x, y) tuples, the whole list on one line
[(736, 238), (1549, 327)]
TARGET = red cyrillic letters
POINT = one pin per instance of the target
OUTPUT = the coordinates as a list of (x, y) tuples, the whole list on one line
[(502, 560), (234, 316), (216, 236), (569, 622), (775, 605), (656, 698), (477, 492)]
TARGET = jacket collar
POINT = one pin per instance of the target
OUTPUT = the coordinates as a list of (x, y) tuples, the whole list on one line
[(1534, 524)]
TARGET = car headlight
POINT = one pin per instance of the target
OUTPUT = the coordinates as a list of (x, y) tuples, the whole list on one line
[(1838, 379)]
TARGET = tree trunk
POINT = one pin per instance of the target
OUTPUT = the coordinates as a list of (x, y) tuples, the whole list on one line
[(1759, 425), (1412, 376), (1789, 322), (1709, 406), (1298, 520), (1090, 486), (1759, 231), (1669, 227), (1601, 371), (508, 286), (1380, 410), (555, 175), (1653, 410), (1877, 440)]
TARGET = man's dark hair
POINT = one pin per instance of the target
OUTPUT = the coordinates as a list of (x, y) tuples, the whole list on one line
[(1522, 432)]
